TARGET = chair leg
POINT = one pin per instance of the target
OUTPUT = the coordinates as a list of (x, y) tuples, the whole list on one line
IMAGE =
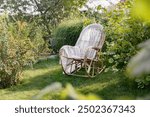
[(92, 68)]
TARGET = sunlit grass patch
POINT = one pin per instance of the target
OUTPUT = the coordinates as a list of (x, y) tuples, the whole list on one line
[(107, 85)]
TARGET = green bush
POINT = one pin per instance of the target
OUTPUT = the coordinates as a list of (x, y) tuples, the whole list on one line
[(124, 31), (17, 48), (123, 34), (68, 32), (139, 66)]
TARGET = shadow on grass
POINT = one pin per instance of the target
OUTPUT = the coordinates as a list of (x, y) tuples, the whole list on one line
[(50, 72), (106, 85)]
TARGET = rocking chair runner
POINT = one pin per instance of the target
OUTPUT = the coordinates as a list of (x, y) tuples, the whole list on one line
[(85, 52)]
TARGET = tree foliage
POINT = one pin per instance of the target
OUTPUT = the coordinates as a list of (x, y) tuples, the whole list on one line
[(48, 12)]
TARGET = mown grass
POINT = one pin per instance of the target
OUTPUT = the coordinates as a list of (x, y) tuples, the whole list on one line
[(106, 85)]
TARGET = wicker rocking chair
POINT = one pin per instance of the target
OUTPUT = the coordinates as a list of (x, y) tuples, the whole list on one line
[(84, 55)]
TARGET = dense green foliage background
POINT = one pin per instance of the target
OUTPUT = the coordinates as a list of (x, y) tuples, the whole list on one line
[(123, 33), (68, 32), (19, 45)]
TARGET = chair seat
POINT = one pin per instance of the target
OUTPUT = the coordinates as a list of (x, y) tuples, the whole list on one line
[(76, 57)]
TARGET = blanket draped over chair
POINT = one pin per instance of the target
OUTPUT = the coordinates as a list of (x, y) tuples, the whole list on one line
[(84, 53)]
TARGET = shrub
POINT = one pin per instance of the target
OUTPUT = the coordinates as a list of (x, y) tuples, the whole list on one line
[(16, 49), (67, 33), (139, 66), (123, 34)]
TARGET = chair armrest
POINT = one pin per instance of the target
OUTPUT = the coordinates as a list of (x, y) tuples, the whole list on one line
[(67, 50), (95, 48), (91, 49)]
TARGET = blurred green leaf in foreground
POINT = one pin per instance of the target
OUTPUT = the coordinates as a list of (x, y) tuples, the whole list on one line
[(139, 65), (141, 9), (68, 92)]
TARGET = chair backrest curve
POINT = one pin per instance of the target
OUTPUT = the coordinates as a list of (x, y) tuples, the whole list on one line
[(92, 35)]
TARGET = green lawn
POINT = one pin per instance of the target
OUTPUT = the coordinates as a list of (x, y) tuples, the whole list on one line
[(106, 85)]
